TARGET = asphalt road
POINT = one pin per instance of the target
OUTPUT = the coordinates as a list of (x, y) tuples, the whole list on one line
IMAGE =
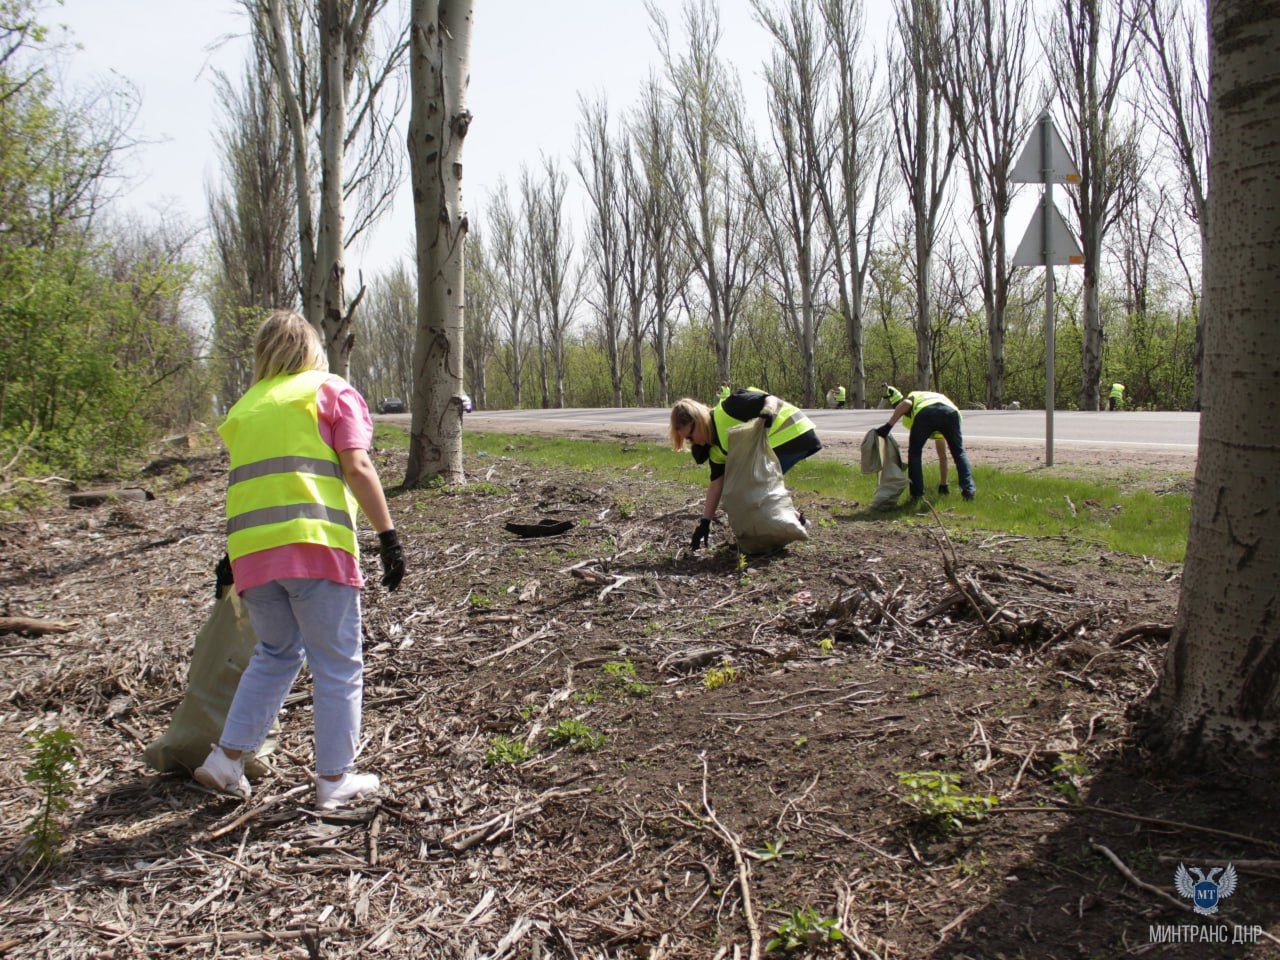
[(1170, 432)]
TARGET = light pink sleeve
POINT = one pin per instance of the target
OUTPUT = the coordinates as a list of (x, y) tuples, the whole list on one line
[(345, 423)]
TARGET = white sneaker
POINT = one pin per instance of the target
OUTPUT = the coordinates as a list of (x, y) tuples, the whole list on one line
[(219, 772), (331, 794)]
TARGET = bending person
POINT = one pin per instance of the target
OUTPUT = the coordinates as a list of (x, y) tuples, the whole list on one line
[(706, 430), (927, 414)]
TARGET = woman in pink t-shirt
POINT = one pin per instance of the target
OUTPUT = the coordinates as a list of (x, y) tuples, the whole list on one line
[(303, 596)]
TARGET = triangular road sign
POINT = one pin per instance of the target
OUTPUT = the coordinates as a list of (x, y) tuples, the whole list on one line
[(1063, 248), (1030, 165)]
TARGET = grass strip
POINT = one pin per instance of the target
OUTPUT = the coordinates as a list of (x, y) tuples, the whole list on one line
[(1026, 504)]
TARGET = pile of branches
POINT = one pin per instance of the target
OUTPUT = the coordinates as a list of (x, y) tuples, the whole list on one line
[(989, 612)]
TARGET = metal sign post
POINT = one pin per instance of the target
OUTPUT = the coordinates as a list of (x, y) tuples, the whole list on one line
[(1050, 331), (1048, 240)]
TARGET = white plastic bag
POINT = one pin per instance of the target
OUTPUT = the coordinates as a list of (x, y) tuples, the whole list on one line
[(887, 461), (755, 497)]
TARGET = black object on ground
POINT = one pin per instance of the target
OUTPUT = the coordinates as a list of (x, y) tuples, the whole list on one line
[(545, 527)]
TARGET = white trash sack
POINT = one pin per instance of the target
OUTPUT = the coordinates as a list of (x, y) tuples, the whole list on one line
[(887, 462), (755, 496)]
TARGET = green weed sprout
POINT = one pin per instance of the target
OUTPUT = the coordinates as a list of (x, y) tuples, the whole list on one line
[(576, 735), (52, 770), (622, 674), (803, 930), (508, 750), (717, 677), (942, 805), (1072, 769)]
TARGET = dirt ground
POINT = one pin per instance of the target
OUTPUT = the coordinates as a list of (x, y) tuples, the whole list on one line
[(750, 768)]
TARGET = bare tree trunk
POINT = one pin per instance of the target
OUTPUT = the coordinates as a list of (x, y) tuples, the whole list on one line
[(512, 282), (1219, 693), (662, 194), (979, 54), (926, 153), (1178, 99), (1090, 52), (716, 226), (796, 79), (300, 129), (440, 41), (597, 163), (335, 324), (859, 158), (350, 73)]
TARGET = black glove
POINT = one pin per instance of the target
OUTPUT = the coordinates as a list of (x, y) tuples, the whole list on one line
[(702, 535), (883, 429), (222, 577), (392, 559), (767, 417), (943, 489)]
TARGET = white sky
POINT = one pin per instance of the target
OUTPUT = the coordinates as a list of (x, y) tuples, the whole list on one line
[(529, 59)]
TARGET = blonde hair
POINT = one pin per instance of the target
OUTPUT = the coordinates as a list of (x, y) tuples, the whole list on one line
[(286, 343), (685, 412)]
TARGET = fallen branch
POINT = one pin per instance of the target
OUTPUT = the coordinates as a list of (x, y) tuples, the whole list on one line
[(1141, 884), (498, 825), (949, 602), (248, 936), (744, 869), (1156, 631), (1156, 821), (34, 627), (260, 809), (519, 644)]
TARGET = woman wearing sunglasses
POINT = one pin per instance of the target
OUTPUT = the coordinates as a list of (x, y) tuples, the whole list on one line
[(706, 430)]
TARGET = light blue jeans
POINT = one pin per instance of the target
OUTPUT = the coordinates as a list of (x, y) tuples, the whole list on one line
[(292, 618)]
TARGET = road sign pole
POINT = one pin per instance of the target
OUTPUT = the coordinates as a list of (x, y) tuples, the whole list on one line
[(1049, 335), (1056, 243)]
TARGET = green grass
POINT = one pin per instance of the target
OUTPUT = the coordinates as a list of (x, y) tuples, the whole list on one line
[(1027, 504)]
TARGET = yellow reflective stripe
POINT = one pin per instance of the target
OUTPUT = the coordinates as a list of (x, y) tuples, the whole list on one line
[(273, 465), (282, 514), (789, 423), (302, 530), (281, 488), (780, 425)]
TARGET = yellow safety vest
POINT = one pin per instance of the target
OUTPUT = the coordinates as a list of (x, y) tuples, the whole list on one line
[(840, 395), (286, 484), (1117, 391), (921, 399), (722, 393), (788, 424)]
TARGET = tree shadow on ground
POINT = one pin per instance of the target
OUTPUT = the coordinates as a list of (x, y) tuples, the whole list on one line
[(1066, 899), (868, 515), (130, 823)]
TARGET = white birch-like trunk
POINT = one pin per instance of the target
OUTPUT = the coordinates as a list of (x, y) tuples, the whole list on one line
[(1219, 694), (329, 277), (299, 132), (440, 42)]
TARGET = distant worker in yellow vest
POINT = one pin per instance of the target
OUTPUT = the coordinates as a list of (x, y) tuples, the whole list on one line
[(927, 414), (722, 393), (706, 430), (300, 467), (1117, 396), (841, 396)]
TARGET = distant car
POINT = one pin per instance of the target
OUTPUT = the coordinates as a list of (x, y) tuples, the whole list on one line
[(467, 405), (391, 405)]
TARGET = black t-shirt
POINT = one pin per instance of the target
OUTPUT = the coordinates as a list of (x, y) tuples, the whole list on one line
[(747, 405)]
